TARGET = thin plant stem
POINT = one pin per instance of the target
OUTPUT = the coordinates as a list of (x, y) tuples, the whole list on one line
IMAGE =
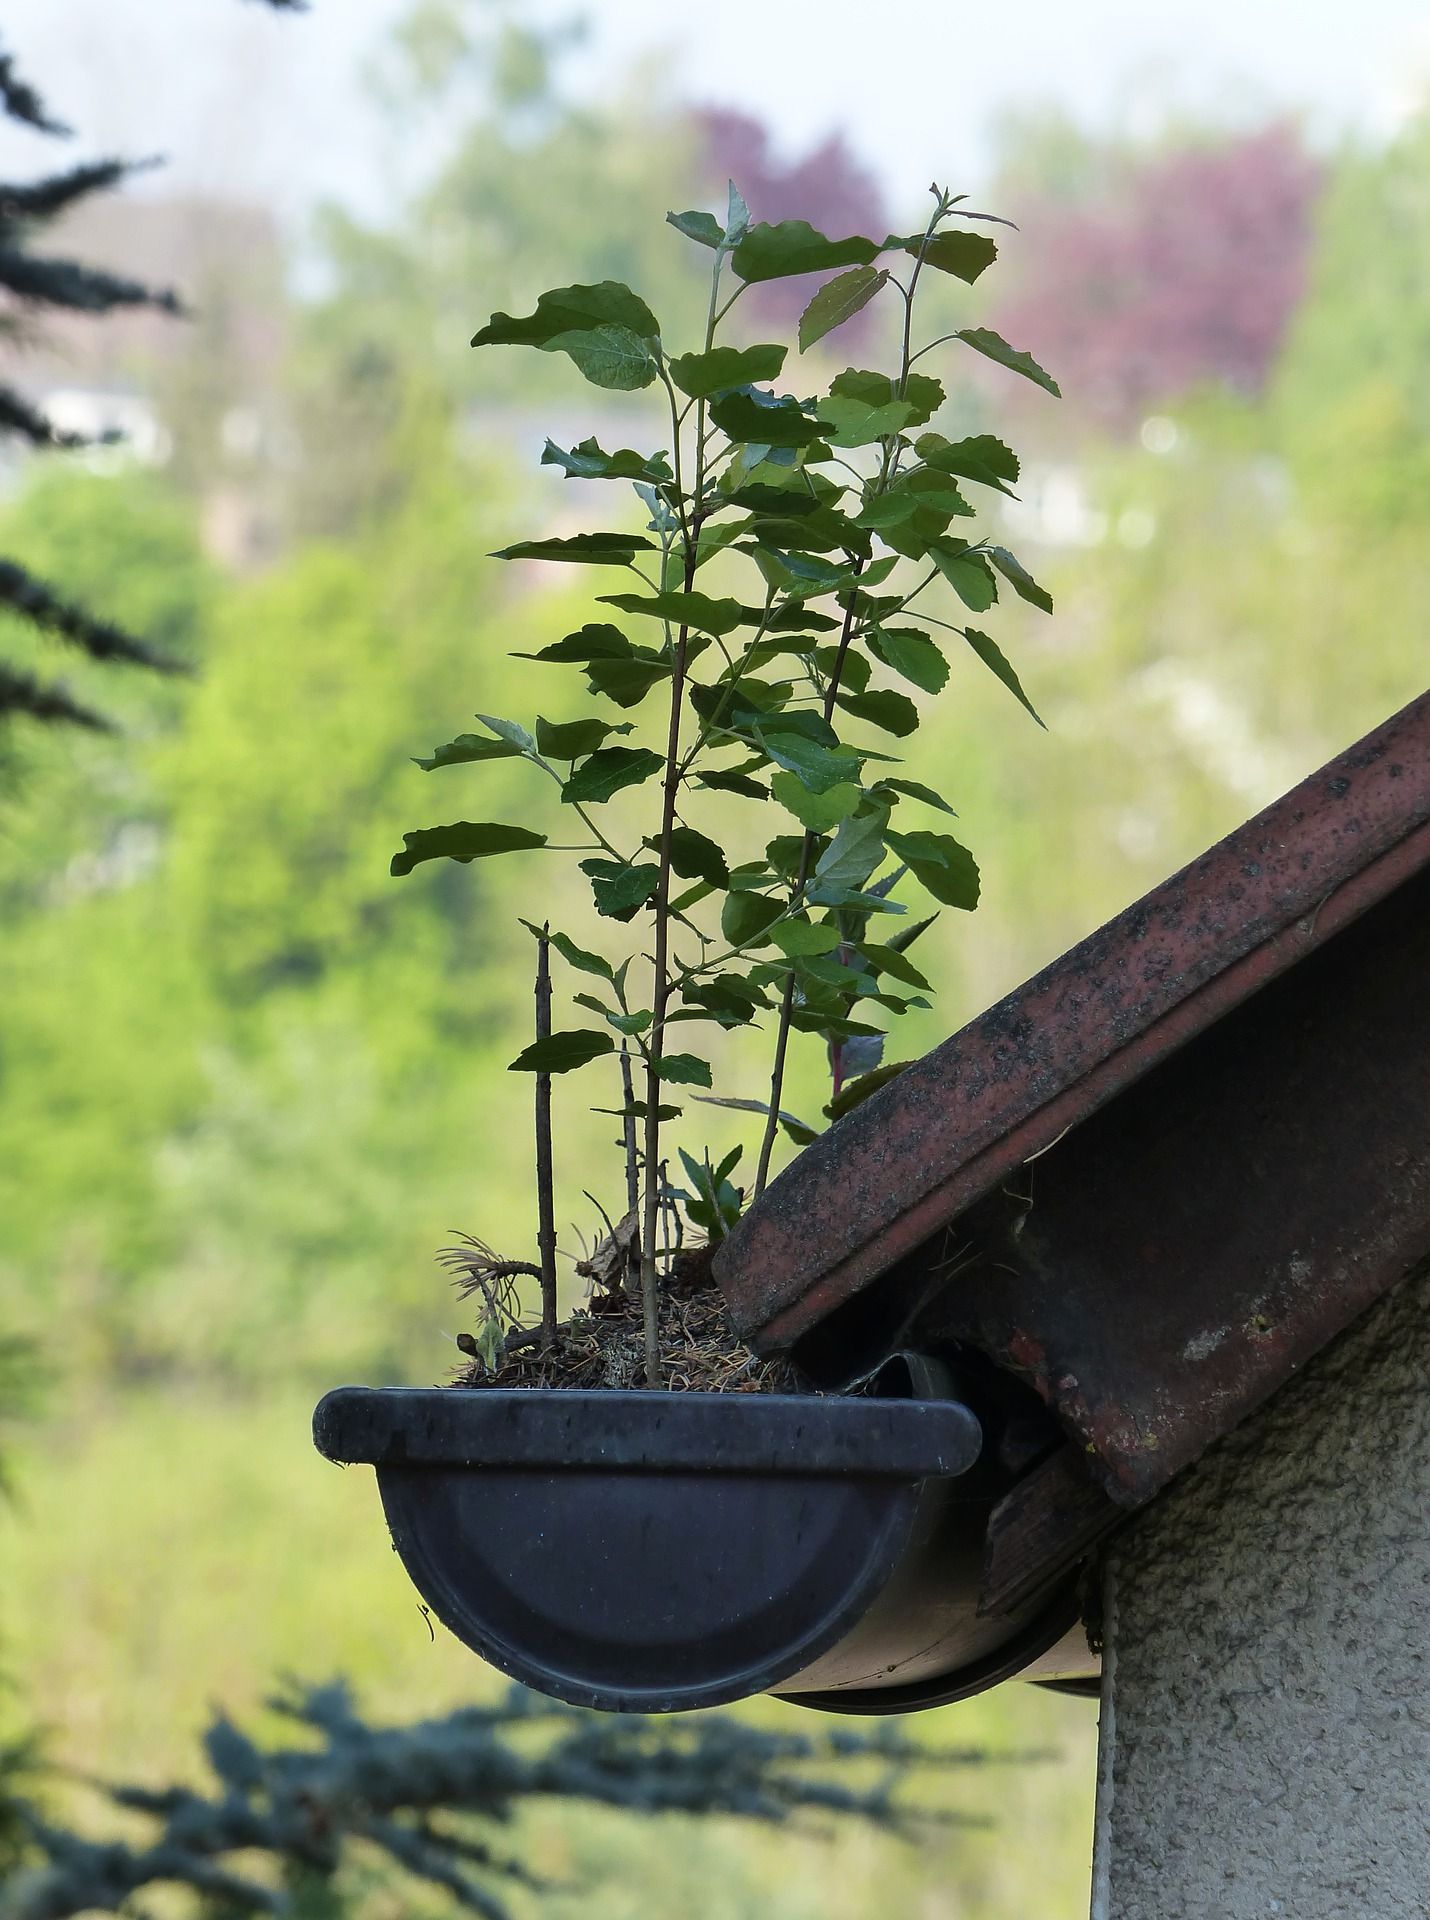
[(545, 1194)]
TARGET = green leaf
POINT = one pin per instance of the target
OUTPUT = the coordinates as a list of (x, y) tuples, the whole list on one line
[(610, 357), (817, 812), (569, 739), (852, 855), (597, 640), (588, 462), (734, 783), (605, 773), (894, 712), (468, 746), (561, 1052), (464, 840), (693, 610), (803, 937), (694, 857), (784, 423), (628, 681), (839, 300), (511, 731), (994, 347), (916, 790), (799, 1132), (564, 310), (683, 1070), (857, 1091), (1013, 570), (793, 247), (969, 574), (587, 549), (579, 957), (620, 888), (906, 936), (698, 225), (993, 657), (982, 458), (865, 406), (701, 374), (746, 917), (891, 961), (911, 653), (965, 255), (947, 869), (818, 766)]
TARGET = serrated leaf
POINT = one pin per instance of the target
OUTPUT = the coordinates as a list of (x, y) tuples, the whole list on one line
[(569, 739), (947, 869), (742, 417), (610, 357), (994, 347), (694, 610), (800, 938), (585, 549), (793, 246), (982, 457), (969, 574), (839, 300), (893, 712), (910, 652), (1023, 583), (575, 309), (694, 857), (737, 215), (701, 374), (965, 255), (466, 747), (993, 657), (889, 959), (620, 887), (463, 840), (697, 225), (816, 812), (588, 462), (511, 731), (683, 1070), (610, 770), (562, 1052)]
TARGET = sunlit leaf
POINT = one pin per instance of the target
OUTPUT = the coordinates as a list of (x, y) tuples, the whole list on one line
[(820, 812), (969, 574), (800, 937), (982, 458), (588, 462), (698, 225)]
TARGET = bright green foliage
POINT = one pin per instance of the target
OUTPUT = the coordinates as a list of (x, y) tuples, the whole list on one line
[(786, 501)]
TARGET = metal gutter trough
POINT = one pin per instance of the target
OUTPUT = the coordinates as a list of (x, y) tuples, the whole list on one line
[(1133, 1198)]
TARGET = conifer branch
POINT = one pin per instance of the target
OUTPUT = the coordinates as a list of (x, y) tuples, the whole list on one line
[(100, 639), (46, 702), (19, 101)]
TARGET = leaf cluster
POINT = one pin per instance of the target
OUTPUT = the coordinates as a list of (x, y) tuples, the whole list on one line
[(776, 642)]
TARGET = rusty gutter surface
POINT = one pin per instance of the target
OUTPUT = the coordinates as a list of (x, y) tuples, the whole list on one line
[(947, 1133)]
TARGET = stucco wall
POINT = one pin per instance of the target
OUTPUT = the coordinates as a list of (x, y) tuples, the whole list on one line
[(1265, 1741)]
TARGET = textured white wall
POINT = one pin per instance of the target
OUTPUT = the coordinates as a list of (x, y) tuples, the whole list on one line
[(1265, 1743)]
